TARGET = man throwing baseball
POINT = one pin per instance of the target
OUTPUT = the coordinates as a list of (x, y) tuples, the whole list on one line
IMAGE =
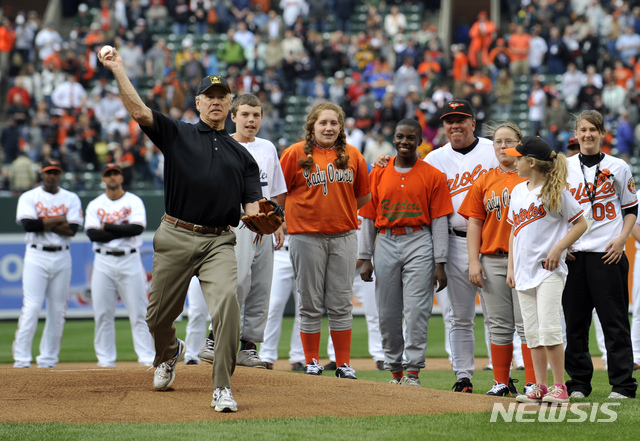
[(208, 176)]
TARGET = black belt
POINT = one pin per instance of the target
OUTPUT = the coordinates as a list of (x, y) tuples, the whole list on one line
[(117, 253), (458, 232), (498, 253), (49, 248)]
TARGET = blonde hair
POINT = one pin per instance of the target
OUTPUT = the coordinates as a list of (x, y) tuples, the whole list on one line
[(556, 172), (342, 161), (494, 126)]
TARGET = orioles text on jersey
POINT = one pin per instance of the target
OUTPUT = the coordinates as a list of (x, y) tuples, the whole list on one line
[(525, 217), (460, 184)]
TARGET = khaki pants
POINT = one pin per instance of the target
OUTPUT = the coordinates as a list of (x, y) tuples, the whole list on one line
[(180, 254)]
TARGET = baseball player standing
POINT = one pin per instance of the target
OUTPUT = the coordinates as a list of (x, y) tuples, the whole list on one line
[(635, 321), (114, 222), (51, 216), (463, 160), (327, 182), (407, 213), (486, 206), (598, 277), (255, 257)]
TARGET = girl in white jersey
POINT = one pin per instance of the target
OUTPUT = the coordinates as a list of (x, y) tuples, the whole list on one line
[(598, 273), (540, 213)]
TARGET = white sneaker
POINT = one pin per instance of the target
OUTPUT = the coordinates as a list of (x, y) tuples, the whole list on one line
[(396, 380), (577, 394), (223, 400), (411, 380), (21, 364), (617, 396), (206, 352), (250, 358), (165, 374)]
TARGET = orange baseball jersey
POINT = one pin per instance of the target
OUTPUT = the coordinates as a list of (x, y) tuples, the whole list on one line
[(323, 200), (407, 199), (488, 200)]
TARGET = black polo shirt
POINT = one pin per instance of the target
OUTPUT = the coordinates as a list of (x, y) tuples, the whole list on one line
[(207, 174)]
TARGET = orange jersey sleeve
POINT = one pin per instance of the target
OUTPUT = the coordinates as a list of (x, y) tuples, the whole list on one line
[(488, 200), (407, 199), (323, 200)]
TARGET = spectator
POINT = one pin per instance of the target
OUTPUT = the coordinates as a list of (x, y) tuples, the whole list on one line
[(232, 53), (355, 136), (46, 39), (292, 9), (133, 59), (375, 147), (181, 15), (482, 34), (537, 103), (244, 36), (275, 26), (558, 54), (25, 36), (200, 12), (274, 54), (625, 140), (499, 58), (7, 43), (613, 98), (622, 75), (69, 95), (628, 45), (519, 44), (10, 140), (394, 21), (318, 14), (572, 81), (22, 175), (590, 49), (537, 51), (503, 93), (556, 124), (344, 15), (405, 77), (587, 95), (305, 71), (459, 69), (18, 111), (157, 14), (292, 45), (19, 89)]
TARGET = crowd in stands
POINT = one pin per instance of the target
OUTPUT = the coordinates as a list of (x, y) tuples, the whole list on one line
[(60, 102)]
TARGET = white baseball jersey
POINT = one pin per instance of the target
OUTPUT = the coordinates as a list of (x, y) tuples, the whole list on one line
[(615, 190), (271, 176), (129, 209), (459, 179), (536, 231), (39, 204)]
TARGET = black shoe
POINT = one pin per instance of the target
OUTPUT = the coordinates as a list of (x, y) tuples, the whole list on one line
[(512, 387), (346, 371), (331, 366), (463, 385), (268, 365), (192, 362), (297, 366), (380, 365)]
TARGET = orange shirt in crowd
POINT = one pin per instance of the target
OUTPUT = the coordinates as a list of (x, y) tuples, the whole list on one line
[(323, 200), (519, 46), (460, 68), (622, 76), (7, 39), (407, 199), (488, 200)]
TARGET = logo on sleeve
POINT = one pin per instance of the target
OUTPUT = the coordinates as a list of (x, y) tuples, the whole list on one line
[(631, 185)]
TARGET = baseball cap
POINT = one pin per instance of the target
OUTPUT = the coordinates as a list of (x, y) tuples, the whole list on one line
[(457, 107), (573, 143), (111, 167), (51, 165), (533, 146), (210, 81)]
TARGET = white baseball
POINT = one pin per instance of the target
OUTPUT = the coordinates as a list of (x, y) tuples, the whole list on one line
[(106, 53)]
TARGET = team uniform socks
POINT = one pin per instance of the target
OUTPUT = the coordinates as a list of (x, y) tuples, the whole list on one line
[(311, 346), (501, 356), (529, 373), (342, 345)]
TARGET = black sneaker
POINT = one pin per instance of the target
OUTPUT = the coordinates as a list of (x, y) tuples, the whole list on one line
[(512, 387), (313, 368), (331, 366), (463, 385), (380, 365), (297, 366), (499, 390), (346, 371)]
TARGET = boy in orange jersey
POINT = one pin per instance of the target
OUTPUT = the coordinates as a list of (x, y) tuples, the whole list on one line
[(408, 211)]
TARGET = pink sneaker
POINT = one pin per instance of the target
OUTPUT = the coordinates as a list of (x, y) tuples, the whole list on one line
[(557, 394), (535, 394)]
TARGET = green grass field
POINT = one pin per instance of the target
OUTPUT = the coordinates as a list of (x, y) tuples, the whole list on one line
[(77, 345)]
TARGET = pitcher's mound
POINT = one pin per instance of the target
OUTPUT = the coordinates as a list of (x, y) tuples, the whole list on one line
[(82, 393)]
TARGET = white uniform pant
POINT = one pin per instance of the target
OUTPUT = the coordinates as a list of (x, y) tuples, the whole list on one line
[(462, 295), (365, 293), (122, 276), (198, 318), (45, 276), (282, 287)]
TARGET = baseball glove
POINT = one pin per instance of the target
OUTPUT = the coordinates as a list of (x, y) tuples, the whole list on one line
[(267, 221)]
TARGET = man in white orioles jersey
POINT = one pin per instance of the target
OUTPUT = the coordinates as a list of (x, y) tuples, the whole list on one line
[(255, 257), (51, 216), (114, 222), (463, 160)]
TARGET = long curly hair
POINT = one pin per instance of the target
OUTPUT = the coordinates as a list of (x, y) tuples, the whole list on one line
[(342, 161)]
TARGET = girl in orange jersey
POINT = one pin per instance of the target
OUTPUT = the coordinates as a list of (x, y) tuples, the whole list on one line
[(408, 211), (327, 182), (485, 207), (541, 212)]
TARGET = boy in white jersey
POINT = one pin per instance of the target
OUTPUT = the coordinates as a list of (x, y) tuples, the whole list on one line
[(255, 258), (51, 216), (115, 220)]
